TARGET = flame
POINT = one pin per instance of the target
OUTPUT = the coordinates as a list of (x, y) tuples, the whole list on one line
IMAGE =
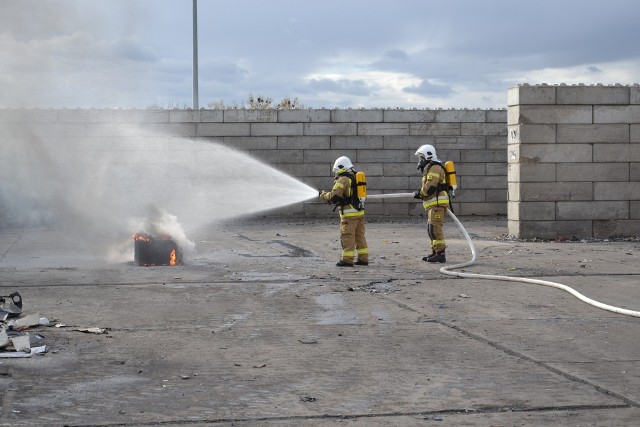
[(140, 236), (172, 257)]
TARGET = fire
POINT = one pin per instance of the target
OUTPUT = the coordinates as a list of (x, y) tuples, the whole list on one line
[(172, 257), (141, 237)]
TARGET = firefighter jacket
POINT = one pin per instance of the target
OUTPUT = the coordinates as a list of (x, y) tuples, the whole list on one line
[(434, 186), (342, 194)]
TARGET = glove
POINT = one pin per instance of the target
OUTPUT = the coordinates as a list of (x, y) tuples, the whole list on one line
[(320, 193), (416, 194)]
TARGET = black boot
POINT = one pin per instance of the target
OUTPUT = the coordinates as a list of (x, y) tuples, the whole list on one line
[(438, 257), (426, 258), (342, 263), (358, 262)]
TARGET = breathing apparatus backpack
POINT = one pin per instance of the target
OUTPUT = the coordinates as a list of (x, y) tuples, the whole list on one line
[(358, 191), (452, 180)]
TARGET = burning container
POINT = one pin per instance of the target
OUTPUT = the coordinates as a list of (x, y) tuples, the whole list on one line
[(150, 250)]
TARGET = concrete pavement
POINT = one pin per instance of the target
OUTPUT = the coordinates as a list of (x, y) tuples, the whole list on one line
[(260, 328)]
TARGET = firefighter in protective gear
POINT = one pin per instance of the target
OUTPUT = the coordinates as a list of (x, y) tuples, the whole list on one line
[(351, 209), (435, 199)]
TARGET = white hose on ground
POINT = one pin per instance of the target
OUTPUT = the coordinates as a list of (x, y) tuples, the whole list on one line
[(446, 270)]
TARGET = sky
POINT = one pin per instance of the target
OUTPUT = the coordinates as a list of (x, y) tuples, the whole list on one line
[(327, 54)]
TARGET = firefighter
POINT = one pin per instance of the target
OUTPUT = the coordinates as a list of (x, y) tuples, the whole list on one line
[(435, 199), (344, 196)]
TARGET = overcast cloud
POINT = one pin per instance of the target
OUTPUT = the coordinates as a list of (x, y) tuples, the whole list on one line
[(334, 53)]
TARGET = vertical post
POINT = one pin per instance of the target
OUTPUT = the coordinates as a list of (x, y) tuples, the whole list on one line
[(195, 55)]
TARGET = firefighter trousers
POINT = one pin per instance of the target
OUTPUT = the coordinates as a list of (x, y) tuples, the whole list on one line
[(353, 240), (435, 224)]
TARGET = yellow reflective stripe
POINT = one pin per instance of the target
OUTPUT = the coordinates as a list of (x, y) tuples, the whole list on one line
[(432, 175), (337, 185), (349, 254), (351, 214), (363, 251), (434, 202), (437, 242)]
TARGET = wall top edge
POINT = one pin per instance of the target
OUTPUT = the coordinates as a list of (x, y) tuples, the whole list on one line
[(189, 110), (576, 85)]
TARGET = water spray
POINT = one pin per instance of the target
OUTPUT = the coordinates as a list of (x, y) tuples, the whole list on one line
[(447, 270)]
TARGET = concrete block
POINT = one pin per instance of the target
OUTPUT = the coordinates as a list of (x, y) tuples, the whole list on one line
[(554, 153), (616, 228), (207, 116), (460, 142), (494, 142), (550, 114), (496, 196), (434, 129), (399, 169), (592, 95), (477, 156), (251, 142), (371, 169), (531, 172), (223, 129), (277, 129), (383, 129), (302, 116), (550, 229), (30, 115), (616, 114), (304, 142), (320, 182), (377, 183), (330, 129), (470, 169), (592, 172), (592, 210), (483, 129), (415, 182), (368, 156), (634, 134), (470, 195), (461, 116), (554, 191), (616, 152), (275, 157), (605, 133), (616, 190), (634, 172), (484, 182), (634, 210), (525, 94), (406, 142), (443, 155), (634, 94), (482, 209), (304, 171), (241, 115), (356, 116), (532, 134), (327, 157), (408, 116), (497, 116), (497, 169), (356, 142), (531, 211)]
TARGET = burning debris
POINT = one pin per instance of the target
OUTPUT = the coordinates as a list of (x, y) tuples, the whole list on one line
[(152, 250)]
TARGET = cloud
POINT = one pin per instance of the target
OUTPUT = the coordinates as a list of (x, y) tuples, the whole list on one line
[(343, 86), (428, 89)]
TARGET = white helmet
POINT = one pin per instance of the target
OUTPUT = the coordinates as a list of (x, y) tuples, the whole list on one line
[(342, 164), (428, 152)]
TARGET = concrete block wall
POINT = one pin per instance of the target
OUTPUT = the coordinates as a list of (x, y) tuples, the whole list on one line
[(305, 143), (574, 161)]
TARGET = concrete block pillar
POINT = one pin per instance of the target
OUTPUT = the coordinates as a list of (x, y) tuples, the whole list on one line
[(572, 152)]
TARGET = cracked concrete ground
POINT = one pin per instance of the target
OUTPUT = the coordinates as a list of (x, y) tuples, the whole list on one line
[(260, 328)]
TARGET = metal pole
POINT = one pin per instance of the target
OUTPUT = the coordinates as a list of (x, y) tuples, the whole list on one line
[(195, 55)]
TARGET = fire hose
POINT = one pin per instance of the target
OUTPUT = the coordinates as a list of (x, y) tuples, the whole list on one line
[(446, 270)]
